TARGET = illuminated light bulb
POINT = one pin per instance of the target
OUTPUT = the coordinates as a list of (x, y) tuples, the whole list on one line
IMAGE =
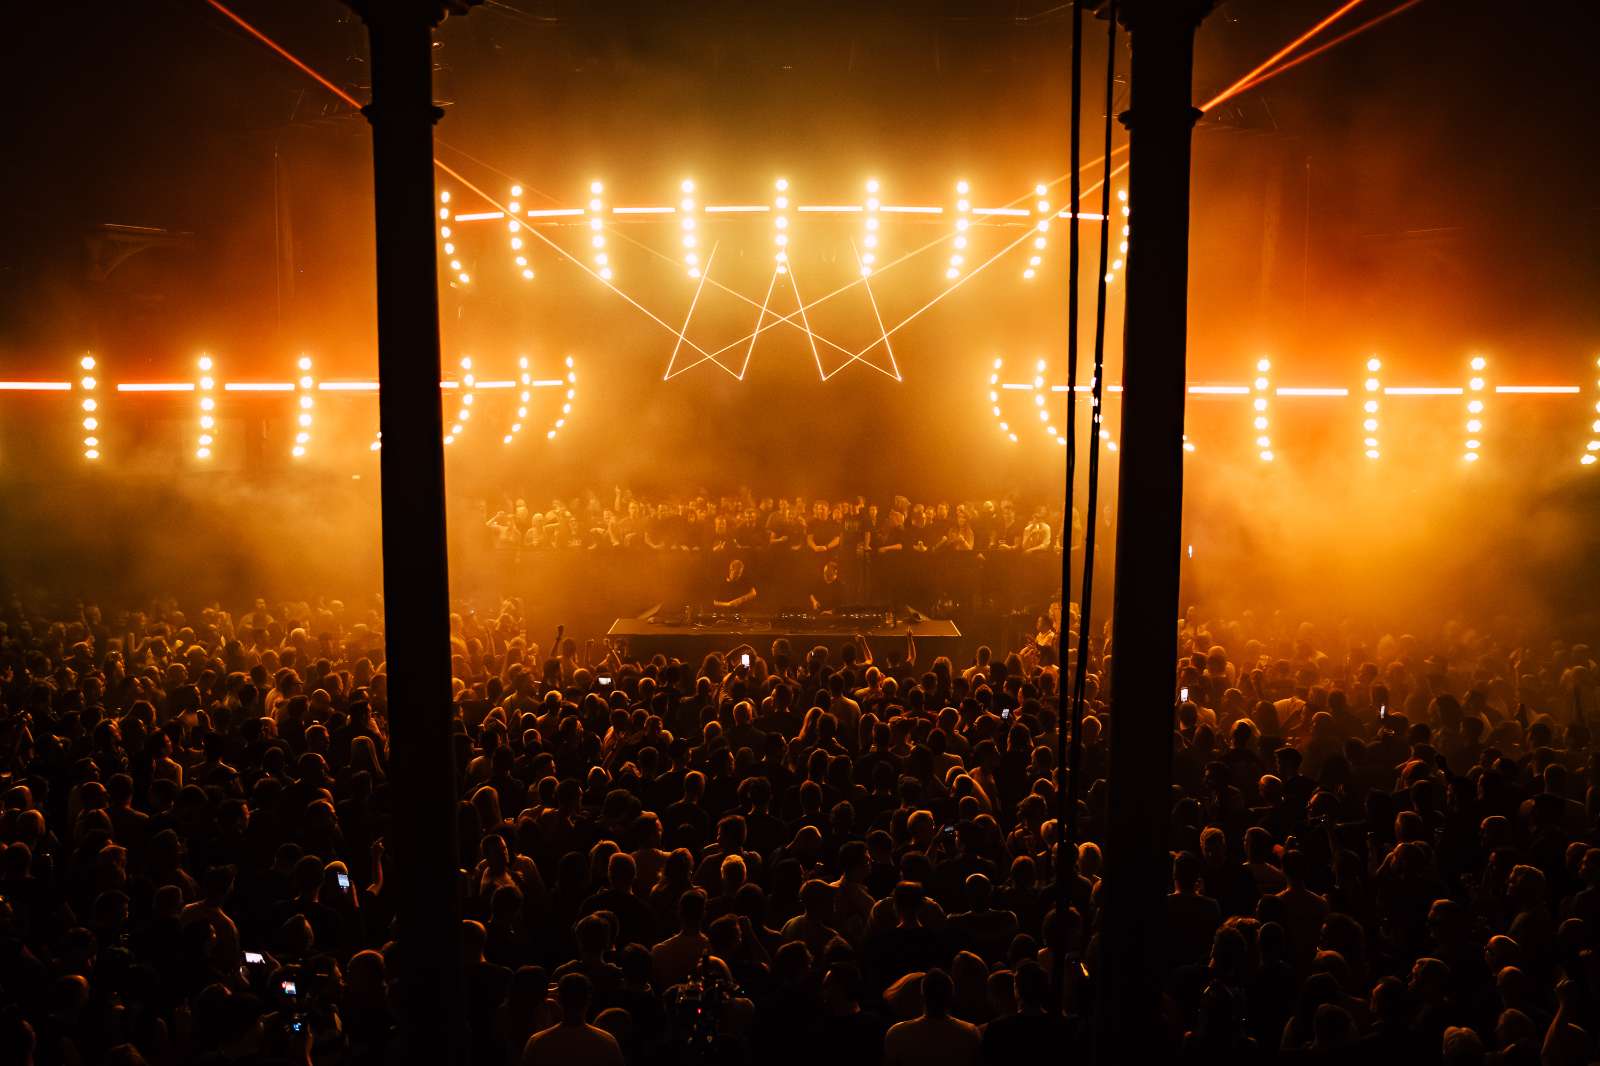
[(207, 403), (1266, 457), (1474, 425), (527, 275), (1370, 406), (205, 362), (514, 207), (1476, 384), (1005, 427), (1027, 274), (207, 422), (871, 240), (1261, 422), (444, 231), (952, 273), (91, 423), (1038, 242), (594, 224), (1479, 362), (1588, 459), (781, 203), (961, 242), (1123, 247), (1476, 406), (205, 438), (444, 212), (305, 420), (866, 271), (1260, 404), (1263, 442), (996, 411), (1013, 437), (90, 405), (202, 453), (1371, 442), (782, 184), (301, 438), (444, 197), (605, 273), (1110, 278), (93, 454), (1470, 457), (596, 187), (465, 278), (1261, 383), (1372, 453)]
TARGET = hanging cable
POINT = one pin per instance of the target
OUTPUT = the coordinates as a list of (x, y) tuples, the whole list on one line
[(1080, 671), (1064, 866)]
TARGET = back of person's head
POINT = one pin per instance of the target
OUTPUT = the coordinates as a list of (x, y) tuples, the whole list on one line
[(573, 993), (1032, 984), (1462, 1047), (691, 909), (937, 992)]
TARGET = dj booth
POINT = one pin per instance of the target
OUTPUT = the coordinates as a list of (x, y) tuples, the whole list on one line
[(688, 635)]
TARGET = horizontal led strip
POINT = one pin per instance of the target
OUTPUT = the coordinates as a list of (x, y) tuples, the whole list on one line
[(36, 386), (156, 386)]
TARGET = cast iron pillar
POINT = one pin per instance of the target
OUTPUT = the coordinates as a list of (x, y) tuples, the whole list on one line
[(1160, 121), (421, 838)]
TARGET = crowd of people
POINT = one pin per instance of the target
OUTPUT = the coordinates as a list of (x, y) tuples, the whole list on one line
[(623, 519), (1384, 847)]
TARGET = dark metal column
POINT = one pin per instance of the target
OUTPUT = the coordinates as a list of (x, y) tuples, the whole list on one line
[(1149, 541), (416, 584)]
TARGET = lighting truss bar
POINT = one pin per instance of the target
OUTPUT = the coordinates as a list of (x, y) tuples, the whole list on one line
[(1538, 390), (907, 209), (1289, 390), (481, 216), (497, 384), (1083, 216), (546, 383), (258, 386), (643, 210), (156, 386), (35, 386), (1422, 390), (550, 212)]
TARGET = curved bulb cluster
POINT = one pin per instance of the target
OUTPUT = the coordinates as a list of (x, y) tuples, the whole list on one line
[(566, 405), (1041, 210), (90, 406), (1122, 243), (869, 239), (1260, 389), (206, 386), (780, 225), (597, 238), (305, 400), (1591, 452), (1474, 424), (519, 252), (469, 393), (447, 245), (691, 239), (958, 253), (1369, 408)]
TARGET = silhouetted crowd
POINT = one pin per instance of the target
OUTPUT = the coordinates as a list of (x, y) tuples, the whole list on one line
[(624, 519), (1384, 847)]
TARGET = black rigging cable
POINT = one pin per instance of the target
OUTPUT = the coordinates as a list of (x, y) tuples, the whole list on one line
[(1065, 867), (1092, 502)]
